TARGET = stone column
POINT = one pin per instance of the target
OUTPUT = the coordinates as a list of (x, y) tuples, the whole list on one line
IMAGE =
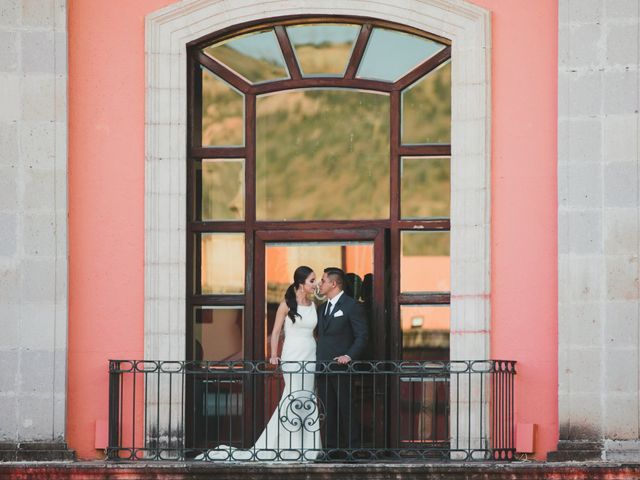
[(33, 228), (598, 219)]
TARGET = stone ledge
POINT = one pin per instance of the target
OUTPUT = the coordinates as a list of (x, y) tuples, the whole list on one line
[(576, 450), (35, 452), (437, 471)]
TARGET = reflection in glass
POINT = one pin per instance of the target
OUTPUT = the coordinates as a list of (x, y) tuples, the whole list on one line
[(256, 57), (425, 189), (217, 333), (425, 332), (322, 155), (222, 112), (221, 188), (426, 108), (222, 263), (391, 54), (323, 49), (424, 262), (281, 260)]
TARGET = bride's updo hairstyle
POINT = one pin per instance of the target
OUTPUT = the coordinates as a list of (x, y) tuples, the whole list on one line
[(299, 277)]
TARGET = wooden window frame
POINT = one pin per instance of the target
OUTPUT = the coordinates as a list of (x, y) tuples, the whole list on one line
[(249, 226)]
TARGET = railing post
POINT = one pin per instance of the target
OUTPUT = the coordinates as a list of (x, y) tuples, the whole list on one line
[(114, 409)]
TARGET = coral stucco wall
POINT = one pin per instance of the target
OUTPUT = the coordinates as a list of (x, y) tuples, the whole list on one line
[(106, 210)]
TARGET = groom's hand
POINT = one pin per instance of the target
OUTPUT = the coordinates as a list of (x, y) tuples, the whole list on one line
[(343, 359)]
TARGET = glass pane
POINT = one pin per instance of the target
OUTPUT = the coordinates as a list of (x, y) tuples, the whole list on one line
[(426, 108), (424, 262), (222, 112), (222, 263), (322, 155), (217, 333), (323, 49), (425, 332), (281, 260), (256, 57), (425, 189), (221, 192), (390, 54)]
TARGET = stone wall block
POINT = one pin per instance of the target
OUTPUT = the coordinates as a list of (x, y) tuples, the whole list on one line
[(621, 329), (584, 185), (39, 235), (621, 184), (8, 234), (621, 138), (37, 327), (584, 40), (37, 145), (9, 142), (621, 9), (38, 97), (37, 52), (8, 191), (621, 419), (36, 368), (622, 277), (585, 326), (585, 232), (38, 282), (34, 417), (10, 361), (37, 13), (10, 279), (621, 229), (9, 12), (38, 193), (585, 415), (622, 45), (585, 140), (621, 91), (9, 325), (584, 93), (586, 367), (8, 51), (584, 11), (585, 278), (621, 365), (10, 101)]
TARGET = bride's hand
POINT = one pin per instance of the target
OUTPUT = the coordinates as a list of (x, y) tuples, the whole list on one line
[(274, 360)]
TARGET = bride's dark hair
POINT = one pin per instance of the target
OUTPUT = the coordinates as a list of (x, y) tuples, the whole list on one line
[(299, 277)]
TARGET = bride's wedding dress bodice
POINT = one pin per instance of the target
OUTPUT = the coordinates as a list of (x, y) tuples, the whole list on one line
[(299, 344)]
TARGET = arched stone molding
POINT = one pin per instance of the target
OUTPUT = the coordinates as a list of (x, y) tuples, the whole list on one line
[(167, 33)]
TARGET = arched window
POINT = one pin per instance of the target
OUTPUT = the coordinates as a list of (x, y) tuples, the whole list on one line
[(324, 142)]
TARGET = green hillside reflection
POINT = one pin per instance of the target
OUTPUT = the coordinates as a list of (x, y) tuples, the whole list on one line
[(322, 155)]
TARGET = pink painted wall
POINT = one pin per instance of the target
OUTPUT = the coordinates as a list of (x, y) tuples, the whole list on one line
[(524, 244), (106, 211)]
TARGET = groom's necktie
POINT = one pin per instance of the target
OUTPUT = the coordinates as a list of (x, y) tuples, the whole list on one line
[(327, 310)]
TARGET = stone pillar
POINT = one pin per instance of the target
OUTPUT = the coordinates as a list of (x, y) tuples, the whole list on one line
[(33, 227), (598, 219)]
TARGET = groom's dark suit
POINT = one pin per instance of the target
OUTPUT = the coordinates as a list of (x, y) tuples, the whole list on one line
[(343, 332)]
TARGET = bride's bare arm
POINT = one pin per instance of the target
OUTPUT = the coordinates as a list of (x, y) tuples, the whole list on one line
[(275, 333)]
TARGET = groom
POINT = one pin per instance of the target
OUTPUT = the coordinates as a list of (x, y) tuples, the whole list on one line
[(342, 337)]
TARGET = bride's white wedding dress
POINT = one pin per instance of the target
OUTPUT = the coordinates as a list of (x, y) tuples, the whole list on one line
[(293, 432)]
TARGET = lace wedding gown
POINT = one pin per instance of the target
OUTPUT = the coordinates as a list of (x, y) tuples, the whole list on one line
[(293, 432)]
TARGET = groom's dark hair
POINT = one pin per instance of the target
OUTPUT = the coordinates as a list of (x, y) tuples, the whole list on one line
[(336, 274)]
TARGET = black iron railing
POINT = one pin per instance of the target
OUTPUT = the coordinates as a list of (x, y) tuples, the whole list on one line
[(368, 411)]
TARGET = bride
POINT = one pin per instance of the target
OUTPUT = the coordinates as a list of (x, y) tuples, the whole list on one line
[(293, 432)]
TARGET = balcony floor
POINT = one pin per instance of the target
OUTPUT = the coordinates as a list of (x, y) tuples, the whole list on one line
[(196, 470)]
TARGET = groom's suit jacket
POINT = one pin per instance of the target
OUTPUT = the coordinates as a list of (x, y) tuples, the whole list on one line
[(342, 334)]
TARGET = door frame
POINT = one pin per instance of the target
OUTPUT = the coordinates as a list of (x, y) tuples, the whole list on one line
[(377, 336)]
